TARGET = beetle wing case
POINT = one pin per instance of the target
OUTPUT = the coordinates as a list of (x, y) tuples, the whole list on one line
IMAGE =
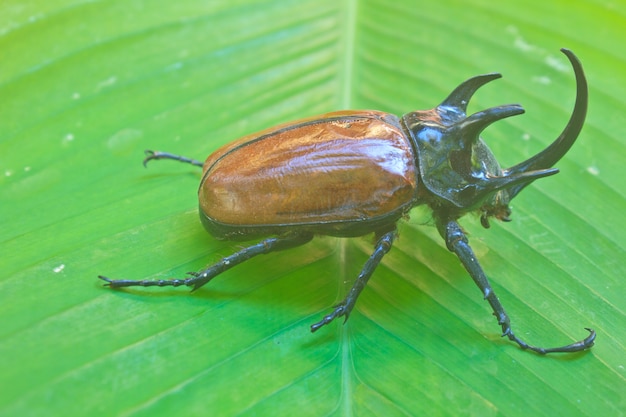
[(334, 174)]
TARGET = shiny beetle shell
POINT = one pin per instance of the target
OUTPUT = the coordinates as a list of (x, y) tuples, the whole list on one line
[(343, 174)]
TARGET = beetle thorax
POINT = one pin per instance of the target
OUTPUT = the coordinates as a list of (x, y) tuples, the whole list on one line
[(456, 167)]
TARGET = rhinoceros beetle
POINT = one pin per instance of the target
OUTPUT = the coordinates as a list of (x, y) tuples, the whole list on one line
[(350, 173)]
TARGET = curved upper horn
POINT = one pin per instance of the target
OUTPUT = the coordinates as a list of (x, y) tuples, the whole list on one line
[(461, 95), (549, 156)]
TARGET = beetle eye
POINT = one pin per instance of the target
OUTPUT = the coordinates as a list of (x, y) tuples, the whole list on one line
[(484, 221)]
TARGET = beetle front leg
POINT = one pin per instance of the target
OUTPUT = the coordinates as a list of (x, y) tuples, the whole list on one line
[(343, 309), (198, 279), (456, 242)]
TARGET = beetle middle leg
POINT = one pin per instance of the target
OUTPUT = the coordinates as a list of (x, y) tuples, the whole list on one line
[(200, 278), (343, 309), (457, 242)]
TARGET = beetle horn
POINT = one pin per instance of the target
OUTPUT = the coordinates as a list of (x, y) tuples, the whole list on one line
[(523, 179), (553, 153), (461, 95), (472, 126)]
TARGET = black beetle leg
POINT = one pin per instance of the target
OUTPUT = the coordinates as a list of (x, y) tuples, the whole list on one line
[(383, 245), (150, 155), (457, 242), (198, 279)]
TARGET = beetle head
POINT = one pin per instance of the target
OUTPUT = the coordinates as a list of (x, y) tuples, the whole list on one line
[(458, 168)]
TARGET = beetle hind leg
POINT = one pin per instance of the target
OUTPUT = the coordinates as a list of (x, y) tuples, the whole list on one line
[(343, 309), (152, 155), (200, 278)]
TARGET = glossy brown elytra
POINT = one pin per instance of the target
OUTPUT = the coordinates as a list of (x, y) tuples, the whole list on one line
[(351, 173)]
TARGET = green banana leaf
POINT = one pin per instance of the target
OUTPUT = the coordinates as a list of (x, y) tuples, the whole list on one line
[(86, 86)]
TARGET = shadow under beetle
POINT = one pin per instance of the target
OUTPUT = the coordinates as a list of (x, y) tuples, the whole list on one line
[(350, 173)]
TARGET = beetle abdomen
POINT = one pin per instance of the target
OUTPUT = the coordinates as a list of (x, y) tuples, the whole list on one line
[(338, 169)]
